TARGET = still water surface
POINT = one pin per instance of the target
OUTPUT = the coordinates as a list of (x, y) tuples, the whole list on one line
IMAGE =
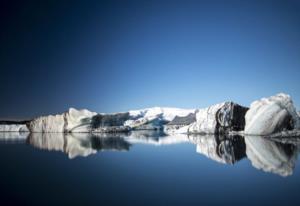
[(147, 168)]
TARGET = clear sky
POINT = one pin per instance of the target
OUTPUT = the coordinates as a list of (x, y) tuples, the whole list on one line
[(110, 56)]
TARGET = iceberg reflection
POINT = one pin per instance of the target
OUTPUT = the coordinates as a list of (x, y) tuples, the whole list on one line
[(221, 148), (79, 144), (274, 155), (13, 137), (271, 156)]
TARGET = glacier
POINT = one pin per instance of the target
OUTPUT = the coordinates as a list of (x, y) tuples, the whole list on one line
[(267, 116)]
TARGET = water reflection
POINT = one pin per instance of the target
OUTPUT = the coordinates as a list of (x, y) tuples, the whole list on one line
[(13, 137), (265, 154), (221, 148), (271, 156), (78, 144), (277, 156)]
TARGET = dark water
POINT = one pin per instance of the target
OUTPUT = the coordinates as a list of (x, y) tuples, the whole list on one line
[(147, 169)]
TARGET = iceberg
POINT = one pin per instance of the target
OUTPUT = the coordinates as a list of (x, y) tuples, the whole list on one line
[(71, 121), (271, 115), (219, 118), (154, 118), (84, 121), (78, 120), (13, 128), (51, 123)]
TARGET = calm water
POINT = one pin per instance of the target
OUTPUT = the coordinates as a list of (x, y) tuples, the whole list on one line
[(145, 168)]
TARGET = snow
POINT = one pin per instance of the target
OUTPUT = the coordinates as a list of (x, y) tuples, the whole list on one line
[(175, 130), (167, 113), (143, 116), (268, 115)]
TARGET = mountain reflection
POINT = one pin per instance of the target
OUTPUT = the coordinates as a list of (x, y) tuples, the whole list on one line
[(276, 156)]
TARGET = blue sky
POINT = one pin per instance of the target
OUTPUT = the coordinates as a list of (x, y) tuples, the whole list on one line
[(111, 56)]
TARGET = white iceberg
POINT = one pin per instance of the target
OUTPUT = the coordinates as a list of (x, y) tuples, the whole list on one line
[(13, 128), (266, 116), (270, 115), (78, 120), (206, 121), (51, 123), (71, 121)]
